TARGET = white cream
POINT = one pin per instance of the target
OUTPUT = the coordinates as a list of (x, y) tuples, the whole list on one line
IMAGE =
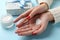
[(38, 21)]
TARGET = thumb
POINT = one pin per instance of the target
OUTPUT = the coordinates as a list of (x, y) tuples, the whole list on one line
[(23, 15), (33, 13)]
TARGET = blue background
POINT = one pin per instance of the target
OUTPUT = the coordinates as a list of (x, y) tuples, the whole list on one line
[(51, 33)]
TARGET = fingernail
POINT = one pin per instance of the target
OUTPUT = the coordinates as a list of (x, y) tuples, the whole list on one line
[(17, 31), (17, 26), (19, 34), (28, 17), (34, 33)]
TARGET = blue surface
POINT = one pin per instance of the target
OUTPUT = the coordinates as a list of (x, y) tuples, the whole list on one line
[(52, 32)]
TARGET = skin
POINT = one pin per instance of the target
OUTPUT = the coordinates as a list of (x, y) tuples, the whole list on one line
[(33, 11), (30, 28)]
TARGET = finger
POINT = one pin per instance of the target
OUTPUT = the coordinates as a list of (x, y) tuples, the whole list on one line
[(38, 9), (26, 33), (21, 22), (26, 29), (29, 28), (35, 11), (21, 28), (29, 32), (40, 30), (32, 13), (23, 15), (35, 28)]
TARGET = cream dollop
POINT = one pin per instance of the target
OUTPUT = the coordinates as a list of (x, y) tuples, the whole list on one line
[(38, 21)]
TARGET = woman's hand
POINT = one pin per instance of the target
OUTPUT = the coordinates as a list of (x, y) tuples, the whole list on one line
[(33, 11), (31, 28)]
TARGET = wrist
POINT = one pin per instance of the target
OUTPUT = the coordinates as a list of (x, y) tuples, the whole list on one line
[(50, 17), (45, 5)]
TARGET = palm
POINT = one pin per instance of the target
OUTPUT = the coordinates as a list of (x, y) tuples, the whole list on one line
[(32, 28)]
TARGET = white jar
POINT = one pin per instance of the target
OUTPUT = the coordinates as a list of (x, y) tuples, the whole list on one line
[(7, 21)]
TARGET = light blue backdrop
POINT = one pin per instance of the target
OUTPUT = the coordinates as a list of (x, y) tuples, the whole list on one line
[(52, 32)]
